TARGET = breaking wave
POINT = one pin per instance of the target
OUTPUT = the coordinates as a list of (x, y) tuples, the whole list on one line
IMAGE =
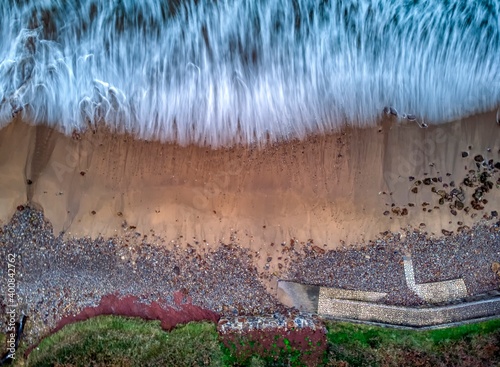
[(220, 72)]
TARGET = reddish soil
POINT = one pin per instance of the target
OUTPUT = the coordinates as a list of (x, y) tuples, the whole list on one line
[(299, 346), (130, 306)]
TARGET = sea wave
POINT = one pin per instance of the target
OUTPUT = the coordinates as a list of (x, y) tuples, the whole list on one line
[(220, 72)]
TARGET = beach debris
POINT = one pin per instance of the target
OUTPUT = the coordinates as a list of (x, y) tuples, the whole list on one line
[(446, 233), (318, 250), (407, 116), (422, 124), (474, 186), (75, 135), (390, 111), (479, 158)]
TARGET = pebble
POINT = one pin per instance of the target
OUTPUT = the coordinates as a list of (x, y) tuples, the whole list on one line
[(378, 265), (82, 270)]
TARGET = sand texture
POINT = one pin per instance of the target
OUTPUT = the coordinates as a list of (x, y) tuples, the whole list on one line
[(333, 189)]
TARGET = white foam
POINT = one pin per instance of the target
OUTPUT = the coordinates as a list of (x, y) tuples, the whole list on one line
[(213, 73)]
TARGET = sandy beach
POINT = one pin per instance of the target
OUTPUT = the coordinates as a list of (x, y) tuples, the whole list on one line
[(331, 189), (149, 219)]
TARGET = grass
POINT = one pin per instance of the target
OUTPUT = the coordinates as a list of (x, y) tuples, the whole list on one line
[(120, 341), (249, 351), (364, 345)]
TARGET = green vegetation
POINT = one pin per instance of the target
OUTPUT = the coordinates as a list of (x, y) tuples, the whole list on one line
[(263, 350), (120, 341), (364, 345)]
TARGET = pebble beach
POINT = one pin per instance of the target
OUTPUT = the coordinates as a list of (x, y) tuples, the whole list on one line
[(57, 277)]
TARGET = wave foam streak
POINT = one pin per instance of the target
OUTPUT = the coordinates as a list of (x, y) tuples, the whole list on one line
[(221, 72)]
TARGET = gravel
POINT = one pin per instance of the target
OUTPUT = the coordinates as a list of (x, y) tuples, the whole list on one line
[(378, 266), (57, 277)]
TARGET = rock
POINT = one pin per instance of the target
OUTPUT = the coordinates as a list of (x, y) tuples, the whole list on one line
[(427, 181), (269, 259), (396, 210), (465, 154), (495, 267), (484, 177), (478, 194), (318, 250), (459, 194), (441, 193), (479, 158), (414, 190), (446, 233)]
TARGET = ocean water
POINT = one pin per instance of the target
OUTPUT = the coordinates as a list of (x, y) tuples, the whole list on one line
[(221, 72)]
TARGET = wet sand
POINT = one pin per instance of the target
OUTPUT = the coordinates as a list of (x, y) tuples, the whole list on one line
[(330, 190), (223, 225)]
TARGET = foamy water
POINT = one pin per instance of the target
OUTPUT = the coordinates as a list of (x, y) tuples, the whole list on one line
[(217, 72)]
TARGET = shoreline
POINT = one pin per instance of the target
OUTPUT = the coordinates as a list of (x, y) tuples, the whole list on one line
[(58, 278), (148, 219), (332, 189)]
